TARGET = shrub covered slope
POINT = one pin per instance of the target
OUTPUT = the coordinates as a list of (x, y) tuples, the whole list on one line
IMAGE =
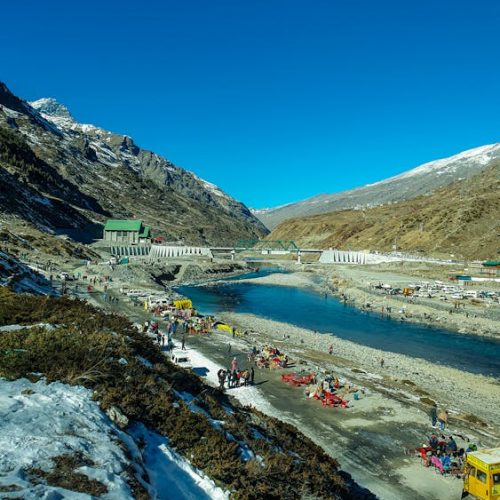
[(127, 370)]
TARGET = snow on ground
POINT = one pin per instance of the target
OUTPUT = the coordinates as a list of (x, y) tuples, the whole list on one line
[(22, 278), (246, 396), (54, 420), (40, 421), (171, 475)]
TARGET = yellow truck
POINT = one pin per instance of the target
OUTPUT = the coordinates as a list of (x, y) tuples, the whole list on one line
[(482, 475)]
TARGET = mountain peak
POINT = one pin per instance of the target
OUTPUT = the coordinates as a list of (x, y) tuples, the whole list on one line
[(49, 106)]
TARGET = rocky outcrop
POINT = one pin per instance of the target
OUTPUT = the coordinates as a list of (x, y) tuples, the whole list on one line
[(60, 173)]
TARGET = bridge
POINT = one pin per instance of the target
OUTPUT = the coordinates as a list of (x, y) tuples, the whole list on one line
[(266, 247)]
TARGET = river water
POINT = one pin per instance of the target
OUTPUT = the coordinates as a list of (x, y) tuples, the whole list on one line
[(312, 310)]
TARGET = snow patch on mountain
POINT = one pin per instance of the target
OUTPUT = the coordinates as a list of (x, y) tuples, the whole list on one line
[(471, 158), (59, 114), (20, 277), (216, 190)]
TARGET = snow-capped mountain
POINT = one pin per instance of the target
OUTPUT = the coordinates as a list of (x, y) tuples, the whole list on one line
[(63, 173), (420, 180)]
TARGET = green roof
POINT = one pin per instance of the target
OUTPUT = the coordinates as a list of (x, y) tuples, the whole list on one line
[(123, 225), (491, 263), (145, 232)]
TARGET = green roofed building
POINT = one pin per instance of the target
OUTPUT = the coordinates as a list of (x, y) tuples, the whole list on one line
[(129, 232), (492, 263)]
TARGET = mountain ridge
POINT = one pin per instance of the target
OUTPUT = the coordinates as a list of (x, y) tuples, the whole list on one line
[(64, 174), (422, 179), (460, 219)]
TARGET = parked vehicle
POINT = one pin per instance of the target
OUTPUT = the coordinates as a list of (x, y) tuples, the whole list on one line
[(136, 293), (180, 358), (156, 301), (482, 474)]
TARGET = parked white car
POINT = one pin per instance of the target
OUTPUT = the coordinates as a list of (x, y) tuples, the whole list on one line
[(180, 358), (136, 293)]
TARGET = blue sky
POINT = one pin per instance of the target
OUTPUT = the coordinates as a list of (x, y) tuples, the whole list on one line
[(274, 101)]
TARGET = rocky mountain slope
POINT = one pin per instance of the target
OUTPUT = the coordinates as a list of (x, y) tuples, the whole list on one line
[(460, 219), (415, 182), (58, 173)]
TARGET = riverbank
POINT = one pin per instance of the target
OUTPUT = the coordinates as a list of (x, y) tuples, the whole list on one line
[(371, 436), (352, 282), (420, 380)]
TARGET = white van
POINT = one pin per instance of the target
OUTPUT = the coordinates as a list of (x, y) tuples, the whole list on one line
[(471, 294), (180, 358), (155, 301)]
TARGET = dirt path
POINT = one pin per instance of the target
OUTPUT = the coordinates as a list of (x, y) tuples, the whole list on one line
[(369, 439)]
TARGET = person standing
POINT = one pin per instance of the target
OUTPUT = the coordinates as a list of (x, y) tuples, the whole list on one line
[(234, 365), (433, 414), (382, 362), (443, 419), (221, 374), (330, 349), (183, 341), (252, 375), (233, 331)]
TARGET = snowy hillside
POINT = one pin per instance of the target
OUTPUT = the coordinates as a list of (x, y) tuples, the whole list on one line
[(421, 180), (20, 278), (470, 159), (57, 434)]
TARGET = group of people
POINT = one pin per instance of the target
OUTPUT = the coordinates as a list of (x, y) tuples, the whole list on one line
[(235, 377), (318, 386), (438, 416), (268, 357), (444, 454)]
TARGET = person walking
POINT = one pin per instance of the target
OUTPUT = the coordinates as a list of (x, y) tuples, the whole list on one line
[(330, 349), (233, 331), (442, 419), (229, 347), (433, 414), (183, 341), (382, 362), (252, 375)]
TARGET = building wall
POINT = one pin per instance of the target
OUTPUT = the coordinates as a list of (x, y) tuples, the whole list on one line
[(129, 237)]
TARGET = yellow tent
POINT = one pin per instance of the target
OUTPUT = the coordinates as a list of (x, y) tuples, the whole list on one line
[(183, 304)]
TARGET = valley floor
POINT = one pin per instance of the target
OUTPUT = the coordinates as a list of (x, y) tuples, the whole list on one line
[(372, 437)]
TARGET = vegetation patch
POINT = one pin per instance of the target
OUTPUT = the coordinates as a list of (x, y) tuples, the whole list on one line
[(102, 352), (357, 370), (427, 401), (63, 475), (474, 420)]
